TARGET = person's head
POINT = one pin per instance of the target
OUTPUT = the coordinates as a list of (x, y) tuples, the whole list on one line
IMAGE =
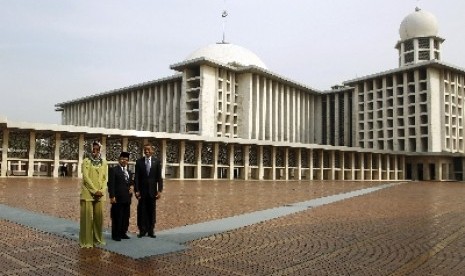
[(148, 150), (123, 159), (96, 149)]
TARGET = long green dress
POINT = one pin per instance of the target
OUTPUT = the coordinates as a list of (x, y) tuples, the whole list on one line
[(95, 176)]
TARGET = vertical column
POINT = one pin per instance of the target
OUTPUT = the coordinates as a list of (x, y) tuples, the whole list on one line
[(260, 163), (124, 144), (370, 166), (310, 164), (81, 154), (352, 166), (56, 155), (216, 150), (163, 157), (361, 165), (299, 165), (231, 161), (273, 164), (322, 165), (332, 165), (198, 157), (103, 141), (286, 163), (182, 151), (342, 166), (396, 167), (5, 139), (380, 166), (388, 167), (246, 151), (32, 151)]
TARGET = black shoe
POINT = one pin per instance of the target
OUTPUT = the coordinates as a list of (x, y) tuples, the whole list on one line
[(140, 235), (116, 239), (126, 237), (152, 236)]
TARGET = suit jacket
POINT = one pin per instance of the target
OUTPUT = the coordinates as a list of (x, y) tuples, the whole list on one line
[(118, 185), (151, 184)]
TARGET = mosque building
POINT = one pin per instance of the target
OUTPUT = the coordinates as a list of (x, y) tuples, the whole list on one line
[(404, 123)]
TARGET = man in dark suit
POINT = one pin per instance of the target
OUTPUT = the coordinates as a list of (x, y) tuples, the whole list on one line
[(120, 189), (148, 187)]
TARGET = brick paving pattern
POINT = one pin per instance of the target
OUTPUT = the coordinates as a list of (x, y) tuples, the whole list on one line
[(409, 229)]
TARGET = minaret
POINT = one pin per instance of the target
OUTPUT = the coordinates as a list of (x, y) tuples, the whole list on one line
[(419, 39)]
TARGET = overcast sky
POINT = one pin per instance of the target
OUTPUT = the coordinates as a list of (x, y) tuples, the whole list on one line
[(52, 51)]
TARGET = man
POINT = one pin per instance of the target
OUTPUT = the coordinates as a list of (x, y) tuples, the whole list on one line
[(93, 187), (120, 190), (148, 187)]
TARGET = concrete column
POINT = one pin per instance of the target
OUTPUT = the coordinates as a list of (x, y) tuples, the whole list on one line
[(163, 157), (388, 167), (32, 151), (310, 164), (342, 166), (286, 163), (5, 140), (81, 154), (260, 163), (352, 166), (361, 166), (216, 150), (299, 165), (246, 151), (56, 155), (231, 161), (370, 166), (104, 146), (332, 164), (322, 165), (198, 157), (182, 151), (396, 167), (273, 163), (380, 166)]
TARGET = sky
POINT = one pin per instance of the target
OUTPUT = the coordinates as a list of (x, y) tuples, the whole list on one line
[(53, 51)]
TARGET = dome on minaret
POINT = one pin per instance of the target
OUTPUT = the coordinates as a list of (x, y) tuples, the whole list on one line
[(228, 54), (420, 23)]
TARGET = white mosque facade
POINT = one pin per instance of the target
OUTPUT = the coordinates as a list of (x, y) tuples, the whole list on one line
[(225, 115)]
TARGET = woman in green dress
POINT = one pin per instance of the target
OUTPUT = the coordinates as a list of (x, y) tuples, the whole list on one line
[(93, 189)]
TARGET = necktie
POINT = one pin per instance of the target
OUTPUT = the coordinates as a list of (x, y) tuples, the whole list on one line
[(126, 175), (147, 165)]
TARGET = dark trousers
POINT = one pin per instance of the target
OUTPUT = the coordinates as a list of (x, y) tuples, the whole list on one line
[(119, 213), (146, 215)]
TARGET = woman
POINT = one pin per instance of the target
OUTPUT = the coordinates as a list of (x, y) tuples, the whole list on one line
[(93, 188)]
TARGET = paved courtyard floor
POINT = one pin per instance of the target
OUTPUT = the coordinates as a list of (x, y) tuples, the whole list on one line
[(409, 228)]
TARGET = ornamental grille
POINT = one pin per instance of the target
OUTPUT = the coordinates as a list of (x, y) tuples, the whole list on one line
[(172, 151), (223, 154), (207, 153), (267, 158), (135, 148), (45, 146), (408, 45), (69, 147), (114, 148), (189, 153), (253, 154), (424, 55), (18, 144), (238, 156), (304, 158), (156, 148), (292, 158), (280, 153), (423, 43)]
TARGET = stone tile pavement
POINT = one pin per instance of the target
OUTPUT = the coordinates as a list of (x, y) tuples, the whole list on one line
[(406, 229)]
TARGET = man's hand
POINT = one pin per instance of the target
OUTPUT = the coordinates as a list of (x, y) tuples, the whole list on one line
[(112, 200), (158, 195)]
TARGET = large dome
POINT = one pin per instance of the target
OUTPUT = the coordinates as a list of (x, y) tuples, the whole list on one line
[(418, 24), (228, 54)]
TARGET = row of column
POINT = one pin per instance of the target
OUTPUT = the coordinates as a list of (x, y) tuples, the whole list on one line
[(320, 164)]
